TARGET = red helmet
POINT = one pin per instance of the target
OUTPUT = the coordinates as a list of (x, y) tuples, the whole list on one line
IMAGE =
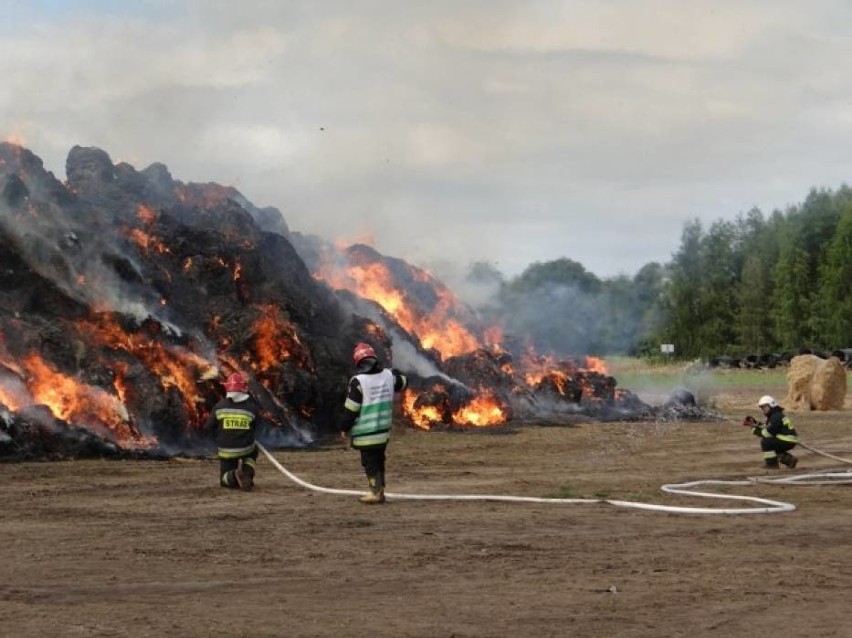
[(236, 383), (362, 351)]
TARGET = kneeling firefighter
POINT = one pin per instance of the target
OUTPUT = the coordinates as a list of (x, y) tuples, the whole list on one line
[(777, 435), (235, 419), (369, 414)]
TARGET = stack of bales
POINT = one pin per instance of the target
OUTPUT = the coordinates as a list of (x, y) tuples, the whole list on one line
[(814, 383)]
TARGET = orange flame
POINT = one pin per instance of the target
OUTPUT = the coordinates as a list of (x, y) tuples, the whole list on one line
[(276, 340), (558, 377), (428, 311), (146, 242), (82, 404), (203, 195), (146, 215), (174, 366), (424, 417), (482, 411), (595, 364), (436, 330)]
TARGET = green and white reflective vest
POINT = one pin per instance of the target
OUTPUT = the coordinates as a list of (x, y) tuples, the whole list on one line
[(375, 413)]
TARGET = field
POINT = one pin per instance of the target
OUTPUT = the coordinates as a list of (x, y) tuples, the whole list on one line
[(133, 549)]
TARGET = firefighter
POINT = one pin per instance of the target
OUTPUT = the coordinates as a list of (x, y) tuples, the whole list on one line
[(368, 415), (235, 419), (777, 435)]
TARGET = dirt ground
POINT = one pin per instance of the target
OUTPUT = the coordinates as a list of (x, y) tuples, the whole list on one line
[(129, 548)]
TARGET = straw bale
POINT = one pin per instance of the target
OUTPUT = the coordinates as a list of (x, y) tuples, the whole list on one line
[(814, 383), (828, 390), (799, 377)]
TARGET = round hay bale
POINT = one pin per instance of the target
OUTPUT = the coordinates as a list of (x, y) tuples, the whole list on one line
[(814, 383), (828, 390), (799, 378)]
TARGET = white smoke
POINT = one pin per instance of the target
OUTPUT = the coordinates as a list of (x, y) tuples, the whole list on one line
[(71, 259), (407, 359)]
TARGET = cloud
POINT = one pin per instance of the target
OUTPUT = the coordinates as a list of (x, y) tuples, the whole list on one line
[(506, 131)]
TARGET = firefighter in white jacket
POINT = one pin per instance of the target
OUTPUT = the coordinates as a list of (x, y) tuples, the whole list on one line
[(369, 414)]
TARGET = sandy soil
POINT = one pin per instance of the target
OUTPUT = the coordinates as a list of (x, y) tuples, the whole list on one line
[(124, 548)]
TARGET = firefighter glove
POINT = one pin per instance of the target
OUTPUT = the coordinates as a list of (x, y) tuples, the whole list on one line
[(750, 422)]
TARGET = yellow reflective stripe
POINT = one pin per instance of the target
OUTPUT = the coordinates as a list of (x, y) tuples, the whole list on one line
[(230, 452), (371, 439), (788, 438), (223, 412), (352, 406), (234, 419)]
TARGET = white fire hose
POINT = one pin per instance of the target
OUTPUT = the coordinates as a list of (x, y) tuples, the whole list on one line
[(766, 506)]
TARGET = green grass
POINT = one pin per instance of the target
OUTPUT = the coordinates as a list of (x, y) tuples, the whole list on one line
[(629, 372), (639, 374), (636, 373), (736, 378), (654, 383)]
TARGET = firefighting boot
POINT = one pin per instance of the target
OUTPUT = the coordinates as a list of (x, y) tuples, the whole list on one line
[(244, 475), (789, 460), (380, 483), (772, 463), (376, 495)]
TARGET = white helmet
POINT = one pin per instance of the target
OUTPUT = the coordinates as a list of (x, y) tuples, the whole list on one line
[(767, 400)]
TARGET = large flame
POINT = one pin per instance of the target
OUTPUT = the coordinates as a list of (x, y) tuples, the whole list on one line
[(147, 243), (400, 289), (424, 417), (276, 341), (435, 327), (79, 403), (484, 409), (173, 365)]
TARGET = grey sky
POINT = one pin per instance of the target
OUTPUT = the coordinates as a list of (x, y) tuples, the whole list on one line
[(452, 131)]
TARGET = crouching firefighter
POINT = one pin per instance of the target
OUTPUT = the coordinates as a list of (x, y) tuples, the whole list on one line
[(368, 415), (777, 435), (235, 419)]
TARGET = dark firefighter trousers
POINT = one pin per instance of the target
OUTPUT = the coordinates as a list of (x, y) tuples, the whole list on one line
[(772, 447), (373, 462), (227, 468)]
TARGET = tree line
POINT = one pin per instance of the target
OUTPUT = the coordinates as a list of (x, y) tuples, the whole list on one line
[(760, 283)]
